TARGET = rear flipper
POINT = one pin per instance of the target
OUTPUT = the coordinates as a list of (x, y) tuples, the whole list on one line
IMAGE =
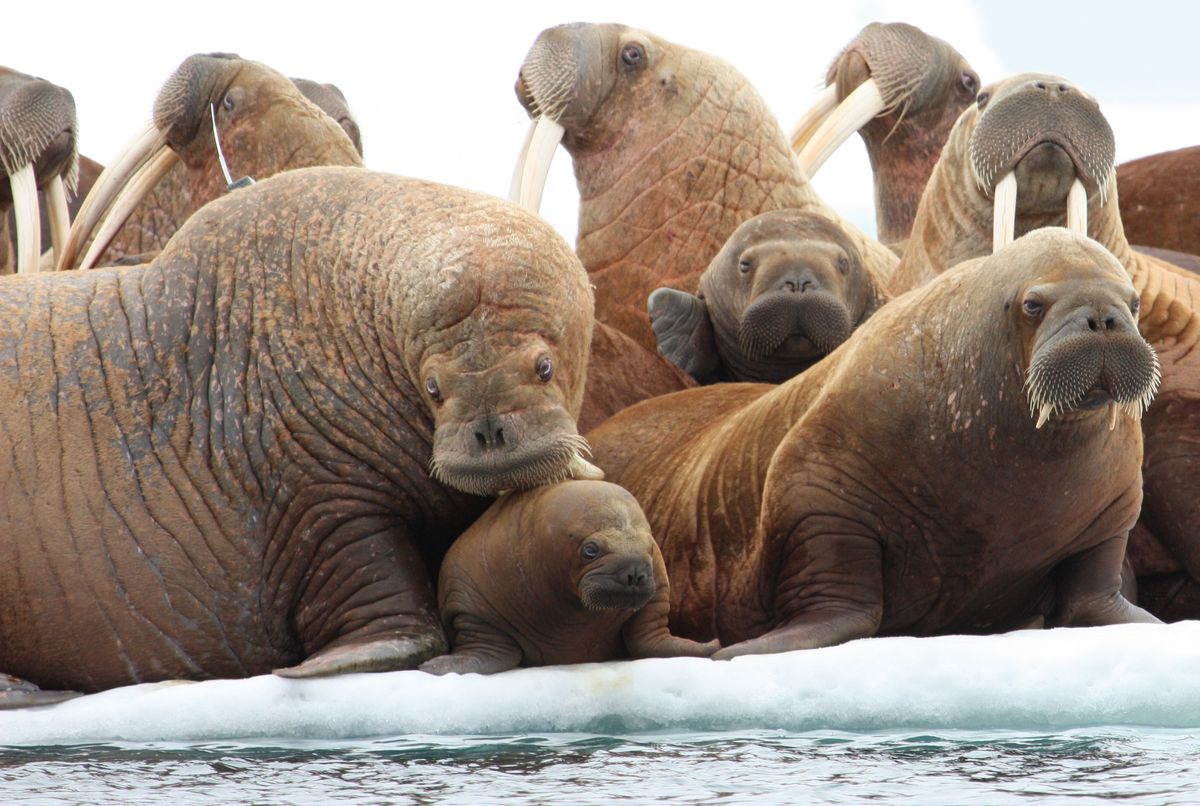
[(479, 648), (18, 693)]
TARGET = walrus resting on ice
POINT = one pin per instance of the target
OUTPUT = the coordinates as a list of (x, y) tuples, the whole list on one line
[(252, 453), (565, 573), (967, 460)]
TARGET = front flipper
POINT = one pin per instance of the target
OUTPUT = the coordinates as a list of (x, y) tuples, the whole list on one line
[(382, 655), (18, 693), (684, 332), (647, 633), (478, 648), (1089, 589)]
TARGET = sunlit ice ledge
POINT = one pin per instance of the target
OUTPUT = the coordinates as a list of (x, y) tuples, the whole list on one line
[(1142, 675)]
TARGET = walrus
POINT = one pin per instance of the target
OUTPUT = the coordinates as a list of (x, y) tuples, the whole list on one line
[(39, 149), (1160, 199), (250, 454), (938, 472), (265, 123), (1037, 143), (902, 90), (672, 149), (786, 289), (565, 573)]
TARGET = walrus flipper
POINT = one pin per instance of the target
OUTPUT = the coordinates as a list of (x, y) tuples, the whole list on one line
[(684, 332), (1089, 589), (381, 655), (18, 693), (478, 648)]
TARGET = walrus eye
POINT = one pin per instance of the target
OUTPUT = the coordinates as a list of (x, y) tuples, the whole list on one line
[(227, 102), (843, 264), (744, 266), (1135, 305), (632, 55), (431, 386), (969, 83), (1032, 307), (983, 99), (544, 369), (590, 551)]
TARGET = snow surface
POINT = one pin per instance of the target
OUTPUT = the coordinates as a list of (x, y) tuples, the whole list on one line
[(1146, 675)]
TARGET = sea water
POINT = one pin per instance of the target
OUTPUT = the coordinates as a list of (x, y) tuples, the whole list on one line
[(1037, 716)]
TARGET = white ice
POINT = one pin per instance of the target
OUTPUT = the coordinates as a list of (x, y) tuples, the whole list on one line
[(1145, 675)]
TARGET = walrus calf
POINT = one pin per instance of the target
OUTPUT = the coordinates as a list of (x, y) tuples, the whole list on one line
[(968, 460), (566, 573), (786, 289), (253, 452)]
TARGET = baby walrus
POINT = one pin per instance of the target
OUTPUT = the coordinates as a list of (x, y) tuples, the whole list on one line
[(564, 573)]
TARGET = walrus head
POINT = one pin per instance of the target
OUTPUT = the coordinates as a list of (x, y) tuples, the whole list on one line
[(1038, 145), (264, 125), (787, 288), (1083, 354), (38, 149)]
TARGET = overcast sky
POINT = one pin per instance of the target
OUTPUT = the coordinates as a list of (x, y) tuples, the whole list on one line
[(432, 83)]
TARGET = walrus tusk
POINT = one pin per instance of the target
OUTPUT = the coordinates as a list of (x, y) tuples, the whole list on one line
[(535, 166), (1077, 209), (514, 186), (135, 190), (1112, 416), (29, 223), (107, 186), (854, 112), (804, 128), (59, 215), (1044, 414), (1004, 212), (581, 468)]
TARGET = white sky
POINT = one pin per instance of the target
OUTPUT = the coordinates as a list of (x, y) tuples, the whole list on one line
[(432, 84)]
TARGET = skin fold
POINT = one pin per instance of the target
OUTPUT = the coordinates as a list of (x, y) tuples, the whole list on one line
[(902, 485), (252, 453)]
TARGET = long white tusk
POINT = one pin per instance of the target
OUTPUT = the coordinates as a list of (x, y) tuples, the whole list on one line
[(803, 131), (854, 112), (59, 215), (107, 186), (1004, 212), (1077, 212), (29, 223), (535, 166), (514, 186), (136, 189)]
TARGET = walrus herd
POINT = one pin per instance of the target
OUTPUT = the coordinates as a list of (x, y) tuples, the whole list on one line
[(324, 420)]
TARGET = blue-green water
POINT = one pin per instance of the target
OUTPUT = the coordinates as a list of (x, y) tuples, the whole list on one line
[(1077, 767)]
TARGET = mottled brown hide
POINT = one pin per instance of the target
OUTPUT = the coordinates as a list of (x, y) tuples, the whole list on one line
[(1160, 200)]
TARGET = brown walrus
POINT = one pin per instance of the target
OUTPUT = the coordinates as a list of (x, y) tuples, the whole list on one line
[(672, 148), (38, 149), (902, 90), (940, 472), (565, 573), (786, 289), (251, 453), (266, 125), (1047, 140), (1160, 199)]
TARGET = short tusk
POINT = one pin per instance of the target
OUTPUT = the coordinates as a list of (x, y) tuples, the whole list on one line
[(107, 187), (1004, 212), (29, 224), (581, 468), (59, 215), (859, 107), (1077, 209), (535, 165), (803, 131), (135, 190)]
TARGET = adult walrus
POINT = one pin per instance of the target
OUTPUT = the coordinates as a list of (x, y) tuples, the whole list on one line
[(672, 149), (565, 573), (251, 453), (937, 473), (786, 289), (1036, 143)]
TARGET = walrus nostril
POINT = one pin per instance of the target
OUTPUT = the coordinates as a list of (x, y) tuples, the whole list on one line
[(1041, 85), (789, 285), (489, 432), (1092, 324), (1110, 323)]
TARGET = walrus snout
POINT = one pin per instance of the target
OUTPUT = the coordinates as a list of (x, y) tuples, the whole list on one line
[(623, 584), (789, 315), (35, 115)]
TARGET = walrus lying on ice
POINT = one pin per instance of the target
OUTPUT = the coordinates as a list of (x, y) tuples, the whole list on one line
[(969, 459), (252, 453), (565, 573)]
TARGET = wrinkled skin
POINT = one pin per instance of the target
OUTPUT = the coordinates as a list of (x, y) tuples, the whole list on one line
[(268, 123), (672, 150), (622, 372), (955, 223), (925, 85), (786, 289), (566, 573), (38, 126), (900, 486), (1160, 200), (231, 446)]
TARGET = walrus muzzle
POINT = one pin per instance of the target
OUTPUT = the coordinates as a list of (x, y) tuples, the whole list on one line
[(625, 585), (775, 317), (458, 462), (1082, 370)]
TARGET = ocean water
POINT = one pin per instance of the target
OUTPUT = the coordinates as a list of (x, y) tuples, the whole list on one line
[(1060, 716)]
